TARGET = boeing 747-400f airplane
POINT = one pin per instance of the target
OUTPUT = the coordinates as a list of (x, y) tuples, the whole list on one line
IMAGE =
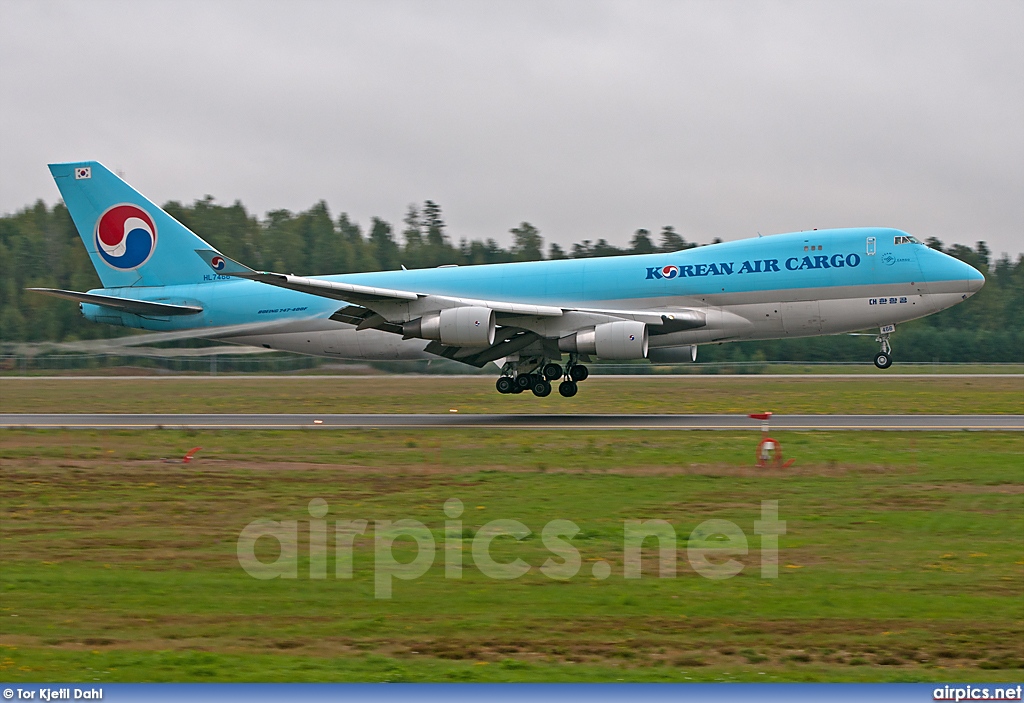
[(524, 317)]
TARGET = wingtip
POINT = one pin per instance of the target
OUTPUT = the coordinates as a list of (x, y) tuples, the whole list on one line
[(223, 265)]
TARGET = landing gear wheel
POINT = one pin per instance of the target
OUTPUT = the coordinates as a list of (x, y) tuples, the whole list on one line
[(579, 373), (883, 359), (552, 371), (567, 389), (524, 381), (541, 388), (504, 384), (518, 389)]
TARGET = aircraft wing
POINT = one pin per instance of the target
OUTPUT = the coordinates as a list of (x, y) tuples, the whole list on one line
[(369, 306), (138, 307), (363, 295), (367, 295), (348, 292)]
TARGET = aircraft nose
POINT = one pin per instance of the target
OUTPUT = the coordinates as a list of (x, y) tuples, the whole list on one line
[(975, 280)]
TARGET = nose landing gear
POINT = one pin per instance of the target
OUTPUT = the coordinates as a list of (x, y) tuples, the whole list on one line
[(883, 359)]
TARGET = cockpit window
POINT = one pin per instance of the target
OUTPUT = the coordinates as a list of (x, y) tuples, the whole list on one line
[(905, 239)]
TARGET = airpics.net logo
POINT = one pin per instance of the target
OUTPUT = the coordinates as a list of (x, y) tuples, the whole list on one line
[(977, 693), (711, 547)]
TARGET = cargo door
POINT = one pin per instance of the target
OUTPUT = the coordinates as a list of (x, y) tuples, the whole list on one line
[(802, 317)]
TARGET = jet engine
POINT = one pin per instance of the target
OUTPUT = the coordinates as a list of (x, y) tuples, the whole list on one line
[(457, 327), (625, 339), (673, 355)]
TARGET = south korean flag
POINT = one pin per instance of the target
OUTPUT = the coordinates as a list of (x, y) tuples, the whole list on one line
[(83, 172)]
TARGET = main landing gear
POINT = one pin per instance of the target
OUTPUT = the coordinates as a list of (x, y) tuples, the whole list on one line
[(575, 373), (883, 359), (519, 376)]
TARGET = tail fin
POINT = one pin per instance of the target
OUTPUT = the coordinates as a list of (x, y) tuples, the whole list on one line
[(130, 240)]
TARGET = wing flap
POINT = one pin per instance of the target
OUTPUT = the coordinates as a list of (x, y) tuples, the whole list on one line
[(364, 318), (512, 341)]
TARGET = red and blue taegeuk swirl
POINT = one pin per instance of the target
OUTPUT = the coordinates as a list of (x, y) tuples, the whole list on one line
[(125, 236)]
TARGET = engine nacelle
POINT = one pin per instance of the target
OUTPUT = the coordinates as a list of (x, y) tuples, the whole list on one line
[(457, 327), (672, 355), (625, 339)]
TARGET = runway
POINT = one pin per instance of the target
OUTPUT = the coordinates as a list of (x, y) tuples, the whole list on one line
[(247, 377), (226, 421)]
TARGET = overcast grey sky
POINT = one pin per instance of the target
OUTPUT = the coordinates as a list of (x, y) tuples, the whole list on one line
[(587, 119)]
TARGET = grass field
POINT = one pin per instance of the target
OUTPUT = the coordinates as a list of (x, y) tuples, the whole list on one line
[(903, 558), (19, 367), (438, 394)]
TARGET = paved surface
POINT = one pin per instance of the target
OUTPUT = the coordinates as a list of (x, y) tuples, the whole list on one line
[(553, 422)]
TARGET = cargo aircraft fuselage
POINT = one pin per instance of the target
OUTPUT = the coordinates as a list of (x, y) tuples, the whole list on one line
[(525, 317)]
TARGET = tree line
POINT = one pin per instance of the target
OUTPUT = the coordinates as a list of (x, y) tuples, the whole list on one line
[(40, 247)]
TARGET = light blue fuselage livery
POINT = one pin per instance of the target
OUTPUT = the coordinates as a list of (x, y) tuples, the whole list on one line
[(785, 285)]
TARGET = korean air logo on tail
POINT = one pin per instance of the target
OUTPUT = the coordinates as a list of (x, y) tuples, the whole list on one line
[(125, 236), (217, 263)]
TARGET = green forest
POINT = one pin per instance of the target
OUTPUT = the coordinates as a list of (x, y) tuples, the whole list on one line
[(40, 247)]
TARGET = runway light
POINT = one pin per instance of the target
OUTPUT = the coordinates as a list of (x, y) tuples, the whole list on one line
[(318, 422), (452, 410)]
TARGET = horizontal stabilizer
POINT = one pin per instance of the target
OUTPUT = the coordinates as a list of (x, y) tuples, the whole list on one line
[(138, 307)]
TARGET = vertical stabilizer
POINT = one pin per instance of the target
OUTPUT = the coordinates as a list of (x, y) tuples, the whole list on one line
[(130, 240)]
